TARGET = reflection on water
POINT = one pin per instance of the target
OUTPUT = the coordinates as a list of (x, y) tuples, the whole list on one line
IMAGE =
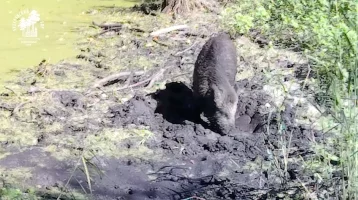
[(49, 30)]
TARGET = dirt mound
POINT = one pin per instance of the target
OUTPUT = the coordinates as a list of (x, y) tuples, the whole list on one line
[(197, 159)]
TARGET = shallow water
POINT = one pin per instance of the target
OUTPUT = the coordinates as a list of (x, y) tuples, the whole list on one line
[(55, 36)]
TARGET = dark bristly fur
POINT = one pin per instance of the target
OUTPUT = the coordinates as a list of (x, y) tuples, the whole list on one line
[(213, 82)]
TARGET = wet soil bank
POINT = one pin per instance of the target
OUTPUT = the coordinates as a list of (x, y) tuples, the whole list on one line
[(137, 133)]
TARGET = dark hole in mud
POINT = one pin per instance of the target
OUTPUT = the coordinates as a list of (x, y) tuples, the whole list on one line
[(176, 103)]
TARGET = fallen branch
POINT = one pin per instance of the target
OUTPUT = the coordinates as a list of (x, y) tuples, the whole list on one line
[(108, 30), (114, 77), (169, 29)]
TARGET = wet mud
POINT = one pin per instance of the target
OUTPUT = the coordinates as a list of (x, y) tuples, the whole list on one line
[(181, 158)]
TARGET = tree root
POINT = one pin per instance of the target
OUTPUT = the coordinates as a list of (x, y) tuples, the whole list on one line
[(186, 6)]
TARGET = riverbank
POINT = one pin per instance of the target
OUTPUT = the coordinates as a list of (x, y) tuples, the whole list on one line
[(119, 115)]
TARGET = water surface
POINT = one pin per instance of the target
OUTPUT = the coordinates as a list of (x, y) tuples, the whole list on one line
[(55, 36)]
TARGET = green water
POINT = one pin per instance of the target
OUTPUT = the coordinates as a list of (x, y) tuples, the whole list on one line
[(55, 36)]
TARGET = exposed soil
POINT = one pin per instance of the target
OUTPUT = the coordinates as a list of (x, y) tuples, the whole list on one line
[(145, 142)]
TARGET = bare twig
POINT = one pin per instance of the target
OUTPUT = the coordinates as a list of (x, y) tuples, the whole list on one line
[(87, 174), (129, 79), (72, 174), (33, 90), (137, 30), (157, 76), (114, 77), (79, 183), (161, 43), (6, 107), (169, 29), (10, 90), (18, 107), (185, 50), (135, 84)]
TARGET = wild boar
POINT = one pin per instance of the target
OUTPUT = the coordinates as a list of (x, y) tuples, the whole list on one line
[(214, 80)]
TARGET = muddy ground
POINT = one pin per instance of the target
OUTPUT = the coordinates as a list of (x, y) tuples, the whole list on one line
[(138, 134)]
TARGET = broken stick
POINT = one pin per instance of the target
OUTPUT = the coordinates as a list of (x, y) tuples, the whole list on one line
[(151, 80), (108, 26)]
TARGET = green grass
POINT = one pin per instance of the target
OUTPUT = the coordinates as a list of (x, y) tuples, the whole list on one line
[(325, 31), (8, 193)]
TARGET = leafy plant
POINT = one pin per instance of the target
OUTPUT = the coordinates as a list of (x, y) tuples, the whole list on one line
[(326, 32)]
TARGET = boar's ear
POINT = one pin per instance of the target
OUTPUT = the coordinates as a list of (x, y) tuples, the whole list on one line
[(218, 94)]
